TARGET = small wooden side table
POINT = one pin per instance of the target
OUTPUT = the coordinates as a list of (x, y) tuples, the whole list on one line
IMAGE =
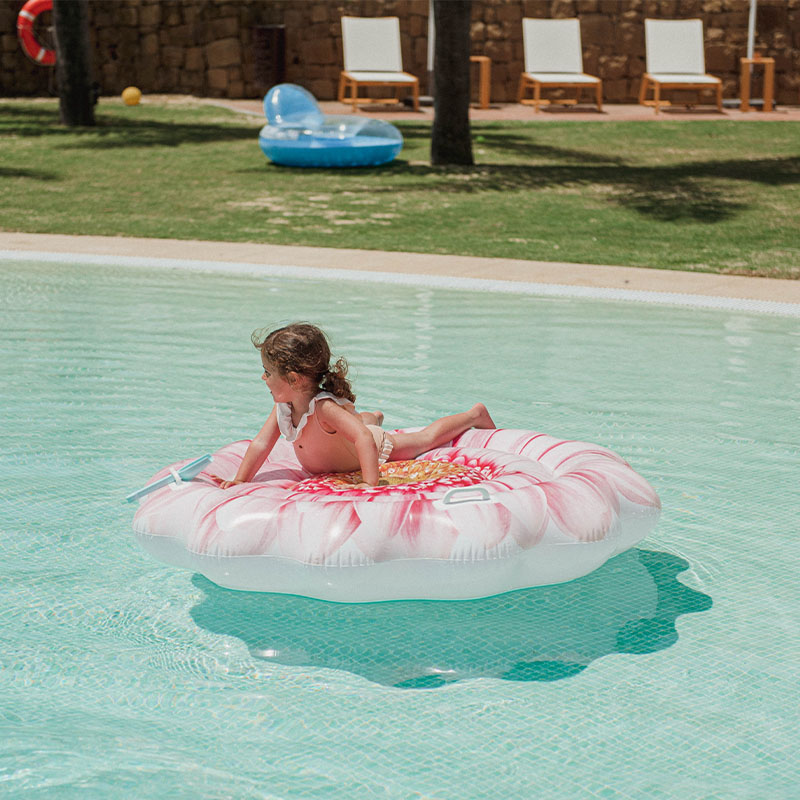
[(484, 79), (769, 81)]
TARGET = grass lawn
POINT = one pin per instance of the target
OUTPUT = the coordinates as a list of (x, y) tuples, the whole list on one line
[(718, 196)]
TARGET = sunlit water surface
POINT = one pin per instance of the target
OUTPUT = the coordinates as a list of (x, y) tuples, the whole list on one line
[(670, 672)]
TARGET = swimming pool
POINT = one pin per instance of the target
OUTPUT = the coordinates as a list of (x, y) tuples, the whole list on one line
[(670, 672)]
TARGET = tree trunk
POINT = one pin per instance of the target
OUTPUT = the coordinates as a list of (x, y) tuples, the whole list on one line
[(451, 142), (73, 70)]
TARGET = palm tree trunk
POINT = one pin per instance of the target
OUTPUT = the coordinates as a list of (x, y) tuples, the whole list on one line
[(451, 142), (73, 67)]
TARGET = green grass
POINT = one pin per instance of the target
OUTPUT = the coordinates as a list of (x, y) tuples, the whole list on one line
[(715, 196)]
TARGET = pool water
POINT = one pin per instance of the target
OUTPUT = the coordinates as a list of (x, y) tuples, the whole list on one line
[(670, 672)]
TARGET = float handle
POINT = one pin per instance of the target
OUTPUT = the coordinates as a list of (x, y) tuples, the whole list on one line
[(483, 495), (178, 477)]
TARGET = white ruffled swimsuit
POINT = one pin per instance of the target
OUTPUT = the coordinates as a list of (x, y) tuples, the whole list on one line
[(287, 427), (383, 441)]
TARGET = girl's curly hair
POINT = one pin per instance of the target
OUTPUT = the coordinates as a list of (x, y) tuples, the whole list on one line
[(303, 348)]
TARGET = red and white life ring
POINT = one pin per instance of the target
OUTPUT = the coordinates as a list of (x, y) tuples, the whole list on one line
[(25, 20)]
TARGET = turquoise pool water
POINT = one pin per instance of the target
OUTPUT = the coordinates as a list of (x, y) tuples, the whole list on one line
[(671, 672)]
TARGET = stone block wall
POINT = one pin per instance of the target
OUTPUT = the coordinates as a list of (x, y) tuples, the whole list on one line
[(216, 47)]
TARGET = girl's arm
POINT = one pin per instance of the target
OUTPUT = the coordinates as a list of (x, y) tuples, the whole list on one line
[(256, 453), (352, 427)]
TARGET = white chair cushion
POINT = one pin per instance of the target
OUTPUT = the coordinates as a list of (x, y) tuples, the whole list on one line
[(662, 77), (381, 77), (562, 77)]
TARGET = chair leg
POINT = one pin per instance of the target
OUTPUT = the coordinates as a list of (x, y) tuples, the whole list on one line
[(521, 90), (354, 94), (485, 83), (348, 91), (643, 91), (537, 95), (415, 94), (599, 90), (656, 95), (719, 97), (340, 93)]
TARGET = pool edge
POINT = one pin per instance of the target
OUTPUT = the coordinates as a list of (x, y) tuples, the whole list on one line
[(665, 287)]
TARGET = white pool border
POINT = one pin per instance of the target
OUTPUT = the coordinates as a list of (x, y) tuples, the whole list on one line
[(415, 279)]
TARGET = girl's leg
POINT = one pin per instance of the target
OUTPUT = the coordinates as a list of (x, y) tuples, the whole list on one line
[(410, 445)]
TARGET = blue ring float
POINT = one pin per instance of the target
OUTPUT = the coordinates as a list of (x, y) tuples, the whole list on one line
[(298, 134)]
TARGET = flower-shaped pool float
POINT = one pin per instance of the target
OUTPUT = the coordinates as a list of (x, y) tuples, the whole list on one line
[(494, 511), (298, 134)]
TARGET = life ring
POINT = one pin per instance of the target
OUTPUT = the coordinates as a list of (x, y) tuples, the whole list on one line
[(494, 511), (30, 44)]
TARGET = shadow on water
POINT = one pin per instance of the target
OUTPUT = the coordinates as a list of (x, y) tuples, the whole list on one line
[(544, 634)]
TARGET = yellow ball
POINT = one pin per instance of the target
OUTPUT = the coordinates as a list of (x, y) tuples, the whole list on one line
[(131, 96)]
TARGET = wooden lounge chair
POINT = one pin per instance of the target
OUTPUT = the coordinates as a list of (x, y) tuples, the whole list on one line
[(372, 57), (553, 58), (675, 60)]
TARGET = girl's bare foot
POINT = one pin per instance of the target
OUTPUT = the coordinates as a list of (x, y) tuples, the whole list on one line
[(481, 416), (372, 417)]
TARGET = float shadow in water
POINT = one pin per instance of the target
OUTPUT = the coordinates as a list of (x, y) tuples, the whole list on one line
[(542, 634)]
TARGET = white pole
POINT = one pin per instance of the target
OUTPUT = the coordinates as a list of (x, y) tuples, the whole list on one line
[(751, 28), (431, 44), (431, 35)]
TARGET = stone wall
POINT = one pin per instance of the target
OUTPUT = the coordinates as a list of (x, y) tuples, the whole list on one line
[(221, 48)]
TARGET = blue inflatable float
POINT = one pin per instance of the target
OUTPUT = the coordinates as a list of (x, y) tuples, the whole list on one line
[(298, 134)]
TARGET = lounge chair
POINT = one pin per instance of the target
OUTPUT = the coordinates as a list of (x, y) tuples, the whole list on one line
[(675, 60), (553, 58), (372, 57)]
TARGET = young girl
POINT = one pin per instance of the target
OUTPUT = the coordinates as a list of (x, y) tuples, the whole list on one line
[(314, 409)]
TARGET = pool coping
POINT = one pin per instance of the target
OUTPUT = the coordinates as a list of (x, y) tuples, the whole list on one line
[(698, 289)]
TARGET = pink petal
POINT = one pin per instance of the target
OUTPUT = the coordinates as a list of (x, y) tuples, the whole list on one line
[(577, 508), (313, 533)]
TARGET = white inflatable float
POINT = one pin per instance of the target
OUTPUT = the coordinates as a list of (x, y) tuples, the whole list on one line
[(494, 511)]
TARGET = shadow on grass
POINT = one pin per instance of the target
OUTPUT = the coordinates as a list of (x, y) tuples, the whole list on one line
[(112, 131), (629, 606), (520, 145), (667, 192), (33, 174), (691, 191)]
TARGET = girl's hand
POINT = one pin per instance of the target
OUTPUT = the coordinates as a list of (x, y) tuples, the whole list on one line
[(222, 483), (364, 485)]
